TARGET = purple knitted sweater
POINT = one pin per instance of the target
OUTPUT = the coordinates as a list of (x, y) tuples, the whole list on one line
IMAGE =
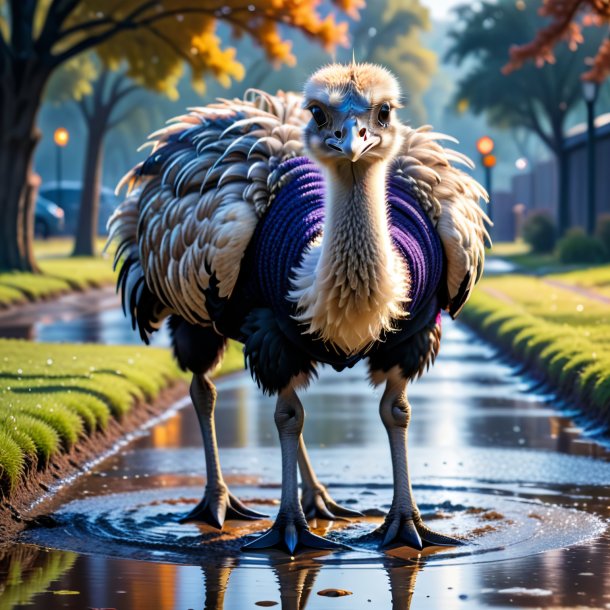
[(295, 218)]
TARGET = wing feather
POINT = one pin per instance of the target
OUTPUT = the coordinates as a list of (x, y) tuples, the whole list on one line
[(451, 198), (201, 192)]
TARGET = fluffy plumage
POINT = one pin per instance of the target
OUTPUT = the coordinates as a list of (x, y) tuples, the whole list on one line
[(195, 202), (312, 229)]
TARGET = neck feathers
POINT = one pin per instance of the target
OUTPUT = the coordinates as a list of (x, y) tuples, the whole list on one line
[(352, 286)]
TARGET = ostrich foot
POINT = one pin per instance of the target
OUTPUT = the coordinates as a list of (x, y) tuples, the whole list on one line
[(317, 504), (407, 528), (289, 534), (217, 505)]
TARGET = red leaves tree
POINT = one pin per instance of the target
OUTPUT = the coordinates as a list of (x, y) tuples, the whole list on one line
[(567, 20)]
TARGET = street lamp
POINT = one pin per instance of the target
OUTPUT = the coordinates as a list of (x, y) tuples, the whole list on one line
[(485, 146), (61, 137), (590, 89)]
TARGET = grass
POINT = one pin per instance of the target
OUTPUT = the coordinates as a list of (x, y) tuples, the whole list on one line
[(519, 254), (60, 247), (563, 335), (594, 278), (60, 274), (52, 395)]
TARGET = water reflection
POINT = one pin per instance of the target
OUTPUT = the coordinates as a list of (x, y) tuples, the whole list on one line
[(50, 579), (26, 571), (92, 317)]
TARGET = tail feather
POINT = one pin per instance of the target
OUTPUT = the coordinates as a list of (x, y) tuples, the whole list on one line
[(147, 312)]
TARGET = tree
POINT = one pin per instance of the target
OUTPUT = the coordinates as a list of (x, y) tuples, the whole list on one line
[(110, 89), (389, 34), (155, 38), (567, 20), (99, 94), (535, 99)]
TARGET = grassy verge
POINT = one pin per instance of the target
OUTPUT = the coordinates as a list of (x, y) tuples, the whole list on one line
[(519, 254), (53, 395), (60, 274), (562, 335)]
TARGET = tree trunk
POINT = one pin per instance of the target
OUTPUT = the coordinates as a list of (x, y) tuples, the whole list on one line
[(19, 104), (563, 191), (86, 229)]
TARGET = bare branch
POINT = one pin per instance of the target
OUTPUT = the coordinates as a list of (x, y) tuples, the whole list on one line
[(58, 12), (96, 23)]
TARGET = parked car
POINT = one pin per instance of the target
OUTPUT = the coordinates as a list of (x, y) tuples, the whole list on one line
[(68, 197), (48, 218)]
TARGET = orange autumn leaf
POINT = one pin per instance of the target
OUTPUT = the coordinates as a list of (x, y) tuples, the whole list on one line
[(567, 20)]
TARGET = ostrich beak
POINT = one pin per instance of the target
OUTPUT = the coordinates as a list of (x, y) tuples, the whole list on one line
[(355, 140)]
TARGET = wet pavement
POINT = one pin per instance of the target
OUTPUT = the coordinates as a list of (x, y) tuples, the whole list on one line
[(490, 458)]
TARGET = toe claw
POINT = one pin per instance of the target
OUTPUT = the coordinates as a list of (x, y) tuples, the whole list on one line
[(269, 539), (410, 536), (238, 510), (432, 538), (317, 503), (204, 513), (292, 538), (317, 542), (218, 506), (410, 530)]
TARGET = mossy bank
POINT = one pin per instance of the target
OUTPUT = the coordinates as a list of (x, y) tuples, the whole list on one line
[(558, 326)]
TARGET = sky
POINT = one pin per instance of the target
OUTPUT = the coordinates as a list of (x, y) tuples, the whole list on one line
[(440, 9)]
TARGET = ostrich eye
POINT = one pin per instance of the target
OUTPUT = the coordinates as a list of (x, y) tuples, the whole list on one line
[(384, 114), (318, 115)]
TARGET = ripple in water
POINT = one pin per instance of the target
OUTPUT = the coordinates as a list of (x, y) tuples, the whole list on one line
[(144, 525)]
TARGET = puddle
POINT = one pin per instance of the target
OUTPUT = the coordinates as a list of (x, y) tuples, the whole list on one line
[(490, 459), (145, 526)]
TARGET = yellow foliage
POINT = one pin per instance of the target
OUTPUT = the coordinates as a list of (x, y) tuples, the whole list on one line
[(74, 80), (158, 41)]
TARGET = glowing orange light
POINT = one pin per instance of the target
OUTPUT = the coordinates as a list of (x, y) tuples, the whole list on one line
[(61, 137), (485, 145), (489, 160)]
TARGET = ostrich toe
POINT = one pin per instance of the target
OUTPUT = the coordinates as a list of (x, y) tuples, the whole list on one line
[(290, 535), (408, 529), (218, 505), (317, 504)]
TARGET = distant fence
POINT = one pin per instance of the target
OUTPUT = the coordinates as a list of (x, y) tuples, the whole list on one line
[(537, 189)]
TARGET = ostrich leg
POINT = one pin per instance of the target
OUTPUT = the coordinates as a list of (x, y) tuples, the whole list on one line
[(315, 499), (403, 523), (290, 529), (218, 503)]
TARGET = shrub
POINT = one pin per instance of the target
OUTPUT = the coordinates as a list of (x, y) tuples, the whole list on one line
[(602, 232), (578, 247), (539, 232)]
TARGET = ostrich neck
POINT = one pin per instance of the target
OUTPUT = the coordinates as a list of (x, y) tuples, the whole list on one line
[(352, 287), (356, 243)]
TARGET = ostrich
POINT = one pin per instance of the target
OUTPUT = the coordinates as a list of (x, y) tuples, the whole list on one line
[(312, 229)]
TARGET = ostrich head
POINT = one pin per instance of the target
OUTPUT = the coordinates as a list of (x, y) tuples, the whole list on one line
[(353, 116)]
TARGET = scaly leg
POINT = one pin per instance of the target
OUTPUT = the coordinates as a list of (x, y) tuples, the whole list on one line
[(290, 529), (217, 503), (403, 524), (315, 499)]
